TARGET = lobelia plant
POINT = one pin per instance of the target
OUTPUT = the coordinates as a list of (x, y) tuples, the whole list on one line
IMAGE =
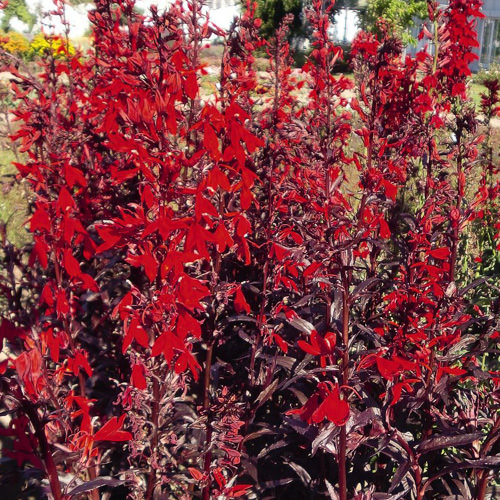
[(266, 291)]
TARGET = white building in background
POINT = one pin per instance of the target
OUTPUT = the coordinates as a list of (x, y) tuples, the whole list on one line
[(221, 12), (488, 34), (345, 26), (488, 30), (76, 16)]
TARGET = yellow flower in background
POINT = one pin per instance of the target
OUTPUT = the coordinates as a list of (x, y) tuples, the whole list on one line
[(43, 45), (14, 43)]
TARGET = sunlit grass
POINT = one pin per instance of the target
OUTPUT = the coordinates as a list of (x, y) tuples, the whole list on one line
[(13, 200)]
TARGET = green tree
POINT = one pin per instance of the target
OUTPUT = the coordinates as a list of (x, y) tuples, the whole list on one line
[(17, 9), (272, 13), (349, 4), (400, 14)]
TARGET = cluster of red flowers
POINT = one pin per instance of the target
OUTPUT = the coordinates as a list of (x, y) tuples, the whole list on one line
[(221, 281)]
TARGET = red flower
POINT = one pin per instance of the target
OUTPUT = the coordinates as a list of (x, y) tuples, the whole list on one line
[(111, 431), (319, 346), (333, 407)]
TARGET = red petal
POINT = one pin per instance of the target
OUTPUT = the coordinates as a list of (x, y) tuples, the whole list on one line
[(308, 348), (139, 333), (191, 291), (191, 85), (187, 324), (40, 220), (387, 368), (440, 253), (110, 431), (240, 303), (336, 409), (281, 343), (222, 238), (65, 200), (195, 473), (71, 265), (211, 142), (138, 379)]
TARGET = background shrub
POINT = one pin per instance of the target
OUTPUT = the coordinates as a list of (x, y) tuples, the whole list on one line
[(15, 43), (44, 45)]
